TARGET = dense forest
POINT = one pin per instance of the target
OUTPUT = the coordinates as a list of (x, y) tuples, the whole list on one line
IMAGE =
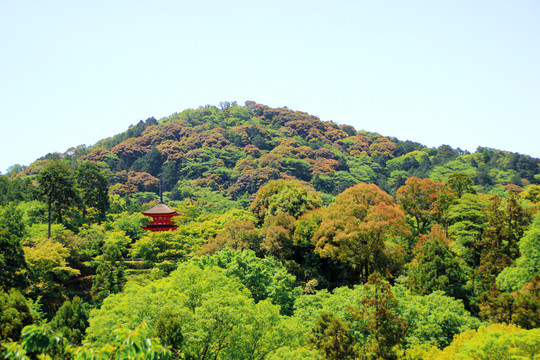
[(297, 239)]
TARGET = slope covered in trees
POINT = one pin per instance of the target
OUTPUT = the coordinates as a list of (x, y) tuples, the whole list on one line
[(236, 149), (298, 238)]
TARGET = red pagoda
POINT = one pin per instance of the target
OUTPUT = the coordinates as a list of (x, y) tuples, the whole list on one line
[(161, 218)]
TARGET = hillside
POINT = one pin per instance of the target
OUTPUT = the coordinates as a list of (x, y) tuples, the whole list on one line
[(296, 238), (236, 149)]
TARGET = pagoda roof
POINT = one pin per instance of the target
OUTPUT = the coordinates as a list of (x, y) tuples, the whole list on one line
[(159, 209)]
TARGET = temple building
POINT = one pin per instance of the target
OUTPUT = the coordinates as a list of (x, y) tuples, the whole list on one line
[(161, 218)]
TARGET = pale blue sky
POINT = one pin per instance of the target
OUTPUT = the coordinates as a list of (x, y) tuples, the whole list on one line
[(462, 73)]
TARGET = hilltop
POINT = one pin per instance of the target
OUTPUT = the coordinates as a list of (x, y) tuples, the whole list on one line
[(236, 149)]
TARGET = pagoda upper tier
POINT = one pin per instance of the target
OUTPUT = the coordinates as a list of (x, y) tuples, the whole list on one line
[(161, 218)]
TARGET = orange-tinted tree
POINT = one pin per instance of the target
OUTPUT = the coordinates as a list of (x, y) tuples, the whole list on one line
[(353, 229), (422, 202)]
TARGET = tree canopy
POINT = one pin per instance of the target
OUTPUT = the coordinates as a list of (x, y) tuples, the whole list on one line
[(296, 238)]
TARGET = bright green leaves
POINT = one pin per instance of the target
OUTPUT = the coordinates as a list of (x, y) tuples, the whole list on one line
[(48, 266), (126, 345), (513, 278), (213, 313), (498, 341), (433, 319), (265, 278), (14, 315)]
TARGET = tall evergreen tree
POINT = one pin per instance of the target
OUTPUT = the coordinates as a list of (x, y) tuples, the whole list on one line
[(13, 265), (11, 219), (71, 320), (57, 186), (500, 249), (380, 318), (436, 268), (14, 315), (333, 337), (93, 189), (110, 275), (500, 240)]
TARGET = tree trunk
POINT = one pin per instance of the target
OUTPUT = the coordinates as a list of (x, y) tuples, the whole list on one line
[(49, 220)]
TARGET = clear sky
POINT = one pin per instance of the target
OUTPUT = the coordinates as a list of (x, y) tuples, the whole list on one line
[(462, 73)]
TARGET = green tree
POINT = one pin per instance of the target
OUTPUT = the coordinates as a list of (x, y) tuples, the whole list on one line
[(16, 189), (265, 278), (433, 319), (110, 274), (42, 342), (130, 222), (93, 190), (497, 341), (506, 226), (12, 262), (436, 267), (164, 249), (48, 270), (71, 320), (237, 234), (333, 338), (468, 218), (296, 167), (11, 219), (380, 317), (151, 162), (299, 353), (532, 193), (169, 328), (57, 186), (217, 318), (287, 196), (370, 312), (14, 315), (460, 184), (514, 277)]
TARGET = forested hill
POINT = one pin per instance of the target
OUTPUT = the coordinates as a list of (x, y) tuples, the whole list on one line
[(294, 238), (236, 149)]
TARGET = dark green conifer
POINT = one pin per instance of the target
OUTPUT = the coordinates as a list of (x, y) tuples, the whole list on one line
[(71, 320), (110, 275)]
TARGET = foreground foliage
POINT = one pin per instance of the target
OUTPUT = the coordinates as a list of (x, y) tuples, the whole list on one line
[(46, 344), (216, 317)]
